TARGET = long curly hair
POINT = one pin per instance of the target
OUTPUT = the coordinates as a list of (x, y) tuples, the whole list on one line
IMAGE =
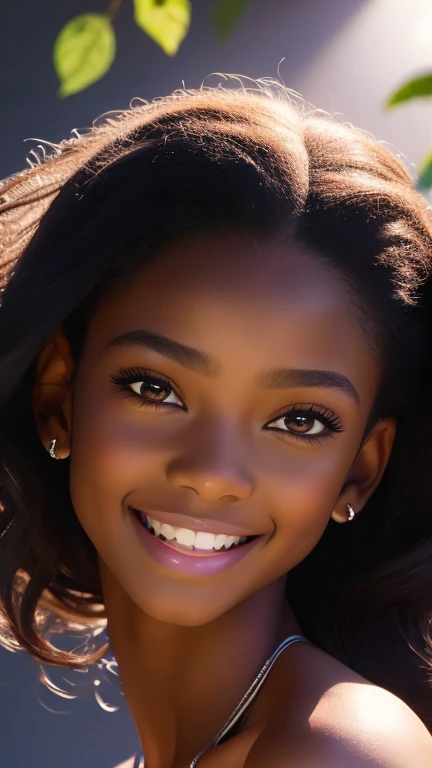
[(85, 217)]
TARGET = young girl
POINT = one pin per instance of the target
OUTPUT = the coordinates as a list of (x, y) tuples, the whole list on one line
[(215, 382)]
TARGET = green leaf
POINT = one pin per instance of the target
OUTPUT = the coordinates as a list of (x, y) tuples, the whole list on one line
[(225, 16), (425, 173), (414, 89), (166, 21), (83, 52)]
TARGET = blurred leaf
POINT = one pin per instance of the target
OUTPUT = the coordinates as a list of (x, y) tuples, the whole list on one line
[(421, 86), (83, 52), (166, 21), (225, 16), (425, 173)]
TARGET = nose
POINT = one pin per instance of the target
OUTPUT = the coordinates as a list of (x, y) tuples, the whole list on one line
[(214, 465)]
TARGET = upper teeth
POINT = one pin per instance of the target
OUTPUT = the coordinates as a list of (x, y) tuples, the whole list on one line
[(200, 540)]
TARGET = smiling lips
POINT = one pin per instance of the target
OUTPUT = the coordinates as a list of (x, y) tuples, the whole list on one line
[(182, 560), (191, 537)]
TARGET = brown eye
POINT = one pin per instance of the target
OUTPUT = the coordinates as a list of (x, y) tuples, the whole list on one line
[(153, 390), (147, 389), (150, 389), (302, 424), (307, 422)]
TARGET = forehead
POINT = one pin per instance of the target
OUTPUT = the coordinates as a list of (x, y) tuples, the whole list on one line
[(235, 298)]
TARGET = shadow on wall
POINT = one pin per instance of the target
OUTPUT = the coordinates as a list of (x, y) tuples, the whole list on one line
[(270, 30), (39, 728)]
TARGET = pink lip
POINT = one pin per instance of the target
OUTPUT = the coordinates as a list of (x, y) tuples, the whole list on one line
[(189, 564)]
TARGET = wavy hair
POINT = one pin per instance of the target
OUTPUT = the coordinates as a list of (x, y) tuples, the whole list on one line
[(96, 208)]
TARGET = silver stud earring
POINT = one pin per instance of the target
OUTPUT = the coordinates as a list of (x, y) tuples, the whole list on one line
[(339, 517), (52, 449)]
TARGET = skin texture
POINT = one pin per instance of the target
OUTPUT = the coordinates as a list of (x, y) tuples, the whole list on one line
[(182, 643)]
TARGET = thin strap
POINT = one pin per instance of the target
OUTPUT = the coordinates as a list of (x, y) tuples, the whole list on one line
[(245, 702), (250, 693)]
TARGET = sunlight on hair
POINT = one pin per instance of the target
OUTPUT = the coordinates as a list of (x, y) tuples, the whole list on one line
[(101, 679)]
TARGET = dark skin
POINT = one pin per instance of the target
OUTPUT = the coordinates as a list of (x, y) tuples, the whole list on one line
[(225, 448)]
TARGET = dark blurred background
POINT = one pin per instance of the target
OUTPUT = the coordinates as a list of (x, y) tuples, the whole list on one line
[(343, 56)]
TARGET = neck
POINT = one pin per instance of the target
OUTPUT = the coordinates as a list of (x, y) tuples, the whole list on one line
[(182, 683)]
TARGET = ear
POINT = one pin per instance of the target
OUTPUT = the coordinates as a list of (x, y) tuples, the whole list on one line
[(367, 469), (52, 394)]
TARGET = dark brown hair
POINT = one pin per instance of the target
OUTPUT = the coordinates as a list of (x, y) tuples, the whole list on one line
[(82, 220)]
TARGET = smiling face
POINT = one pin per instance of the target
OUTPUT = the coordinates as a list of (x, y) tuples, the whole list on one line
[(235, 439)]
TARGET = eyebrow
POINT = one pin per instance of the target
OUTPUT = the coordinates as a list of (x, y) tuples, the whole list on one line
[(202, 363)]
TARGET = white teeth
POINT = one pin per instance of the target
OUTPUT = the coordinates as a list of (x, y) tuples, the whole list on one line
[(185, 536), (204, 540), (189, 538), (223, 541), (167, 531)]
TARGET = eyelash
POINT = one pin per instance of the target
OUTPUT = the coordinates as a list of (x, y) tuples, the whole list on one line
[(129, 376)]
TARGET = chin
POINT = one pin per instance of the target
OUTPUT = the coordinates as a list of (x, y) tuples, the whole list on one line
[(180, 606), (182, 601)]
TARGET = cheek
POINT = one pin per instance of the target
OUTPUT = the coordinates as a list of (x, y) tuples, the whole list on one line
[(110, 457), (303, 491)]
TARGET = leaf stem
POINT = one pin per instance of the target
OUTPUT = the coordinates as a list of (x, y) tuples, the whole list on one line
[(113, 8)]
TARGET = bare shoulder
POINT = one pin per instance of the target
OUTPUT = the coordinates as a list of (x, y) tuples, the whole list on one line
[(359, 729), (338, 719)]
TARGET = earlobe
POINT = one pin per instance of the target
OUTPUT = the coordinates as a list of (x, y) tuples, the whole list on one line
[(366, 471), (52, 393), (347, 517)]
